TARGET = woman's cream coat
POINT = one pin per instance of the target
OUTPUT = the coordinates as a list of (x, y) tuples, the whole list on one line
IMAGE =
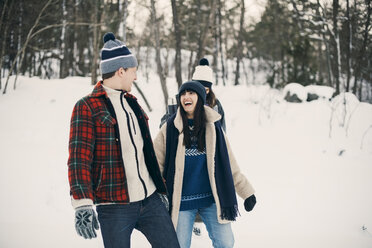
[(242, 186)]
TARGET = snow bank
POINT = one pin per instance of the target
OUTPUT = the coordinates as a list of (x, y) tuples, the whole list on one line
[(315, 92), (312, 190), (294, 92)]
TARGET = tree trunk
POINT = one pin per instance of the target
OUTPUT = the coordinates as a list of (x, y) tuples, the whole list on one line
[(215, 52), (329, 67), (95, 43), (19, 59), (220, 42), (320, 50), (123, 9), (349, 47), (328, 59), (143, 95), (64, 65), (239, 47), (2, 18), (336, 54), (163, 82), (177, 34), (190, 64), (4, 30), (203, 34), (362, 50), (74, 55), (225, 42)]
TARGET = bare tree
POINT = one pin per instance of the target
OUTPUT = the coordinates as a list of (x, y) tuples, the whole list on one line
[(219, 10), (143, 95), (160, 70), (21, 52), (204, 25), (362, 50), (215, 52), (4, 30), (30, 36), (321, 12), (65, 46), (336, 38), (349, 46), (95, 43), (239, 47), (177, 34), (123, 9)]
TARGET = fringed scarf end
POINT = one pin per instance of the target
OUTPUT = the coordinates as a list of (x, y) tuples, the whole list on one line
[(230, 213)]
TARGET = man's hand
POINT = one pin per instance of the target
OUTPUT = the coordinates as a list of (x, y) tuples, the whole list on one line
[(86, 221), (165, 201)]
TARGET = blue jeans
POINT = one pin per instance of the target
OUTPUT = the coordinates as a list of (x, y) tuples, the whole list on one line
[(220, 234), (149, 216)]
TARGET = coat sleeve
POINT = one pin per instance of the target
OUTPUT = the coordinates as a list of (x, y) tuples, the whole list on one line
[(160, 147), (81, 147), (242, 186)]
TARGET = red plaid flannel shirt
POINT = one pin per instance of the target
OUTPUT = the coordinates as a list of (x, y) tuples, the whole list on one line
[(95, 165)]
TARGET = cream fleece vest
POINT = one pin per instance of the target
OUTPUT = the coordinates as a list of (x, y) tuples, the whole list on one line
[(135, 186)]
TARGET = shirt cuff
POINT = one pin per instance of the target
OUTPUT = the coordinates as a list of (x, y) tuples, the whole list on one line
[(81, 202)]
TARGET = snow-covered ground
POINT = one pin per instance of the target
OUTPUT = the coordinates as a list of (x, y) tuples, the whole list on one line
[(312, 190)]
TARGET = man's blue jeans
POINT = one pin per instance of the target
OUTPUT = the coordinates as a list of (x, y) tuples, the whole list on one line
[(220, 234), (149, 216)]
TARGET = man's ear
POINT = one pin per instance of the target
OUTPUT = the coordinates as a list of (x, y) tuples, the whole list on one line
[(120, 71)]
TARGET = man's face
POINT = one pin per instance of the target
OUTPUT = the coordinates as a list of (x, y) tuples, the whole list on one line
[(128, 76)]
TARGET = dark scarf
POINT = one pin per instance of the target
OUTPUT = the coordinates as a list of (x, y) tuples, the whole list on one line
[(224, 180)]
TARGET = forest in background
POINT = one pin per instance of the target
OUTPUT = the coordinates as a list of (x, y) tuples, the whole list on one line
[(305, 41)]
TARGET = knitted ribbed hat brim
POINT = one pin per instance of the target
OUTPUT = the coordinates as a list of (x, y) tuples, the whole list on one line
[(194, 86)]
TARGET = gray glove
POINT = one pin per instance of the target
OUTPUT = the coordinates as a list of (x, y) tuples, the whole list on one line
[(164, 199), (86, 221)]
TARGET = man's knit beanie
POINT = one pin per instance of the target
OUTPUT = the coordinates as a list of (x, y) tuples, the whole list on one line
[(203, 73), (115, 54), (193, 86)]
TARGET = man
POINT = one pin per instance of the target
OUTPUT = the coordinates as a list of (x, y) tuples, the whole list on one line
[(112, 162)]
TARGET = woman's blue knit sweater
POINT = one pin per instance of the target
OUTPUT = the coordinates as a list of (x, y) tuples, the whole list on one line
[(196, 188)]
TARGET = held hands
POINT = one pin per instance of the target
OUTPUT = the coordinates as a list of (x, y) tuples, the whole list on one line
[(249, 203), (86, 222)]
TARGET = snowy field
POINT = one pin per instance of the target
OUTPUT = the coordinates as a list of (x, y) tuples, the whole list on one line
[(312, 190)]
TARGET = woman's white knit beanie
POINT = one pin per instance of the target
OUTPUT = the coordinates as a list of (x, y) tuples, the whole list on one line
[(203, 72)]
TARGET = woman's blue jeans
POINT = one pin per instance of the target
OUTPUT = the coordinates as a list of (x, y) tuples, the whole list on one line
[(149, 216), (220, 234)]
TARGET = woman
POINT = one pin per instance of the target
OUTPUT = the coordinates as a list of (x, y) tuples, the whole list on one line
[(200, 170), (204, 75)]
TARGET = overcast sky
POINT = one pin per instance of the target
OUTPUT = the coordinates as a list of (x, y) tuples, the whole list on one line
[(139, 14)]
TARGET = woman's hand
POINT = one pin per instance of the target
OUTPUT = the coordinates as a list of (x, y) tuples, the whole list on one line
[(249, 203)]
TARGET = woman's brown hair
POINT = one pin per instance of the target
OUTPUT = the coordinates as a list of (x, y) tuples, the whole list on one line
[(211, 98)]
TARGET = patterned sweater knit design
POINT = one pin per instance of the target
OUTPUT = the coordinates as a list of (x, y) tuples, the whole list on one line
[(196, 188)]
